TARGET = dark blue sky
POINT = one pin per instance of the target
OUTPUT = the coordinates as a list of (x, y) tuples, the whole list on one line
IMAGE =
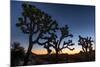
[(80, 19)]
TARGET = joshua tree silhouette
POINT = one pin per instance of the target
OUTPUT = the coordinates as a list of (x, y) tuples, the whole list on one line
[(86, 43), (55, 42), (35, 22)]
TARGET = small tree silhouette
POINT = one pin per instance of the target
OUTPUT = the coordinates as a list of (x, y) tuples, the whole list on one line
[(55, 42), (86, 44), (17, 54), (35, 22)]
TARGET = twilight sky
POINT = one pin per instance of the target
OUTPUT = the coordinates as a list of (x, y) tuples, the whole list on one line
[(80, 19)]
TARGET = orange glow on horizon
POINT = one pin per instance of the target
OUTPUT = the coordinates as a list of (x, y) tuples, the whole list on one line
[(40, 51), (44, 51), (71, 52)]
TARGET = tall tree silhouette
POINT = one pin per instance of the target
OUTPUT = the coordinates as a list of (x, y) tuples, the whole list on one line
[(17, 54), (35, 22), (86, 43), (55, 41)]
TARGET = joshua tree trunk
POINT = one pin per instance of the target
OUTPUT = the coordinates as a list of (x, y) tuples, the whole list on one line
[(56, 53), (29, 50), (57, 49)]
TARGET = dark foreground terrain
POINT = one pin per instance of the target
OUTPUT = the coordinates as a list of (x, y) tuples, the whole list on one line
[(62, 58)]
